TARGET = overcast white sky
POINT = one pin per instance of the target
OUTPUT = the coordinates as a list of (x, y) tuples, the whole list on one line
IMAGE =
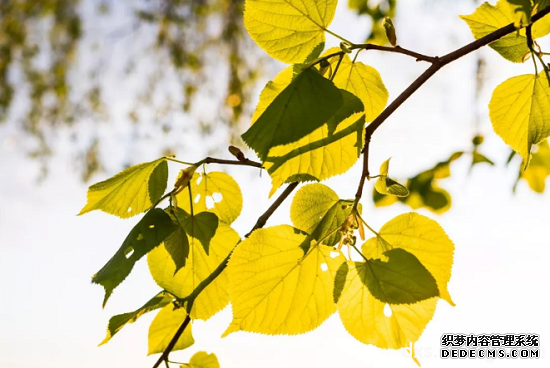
[(50, 313)]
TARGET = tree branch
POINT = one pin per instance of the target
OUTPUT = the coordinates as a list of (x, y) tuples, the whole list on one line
[(190, 299), (396, 49), (437, 64), (245, 162)]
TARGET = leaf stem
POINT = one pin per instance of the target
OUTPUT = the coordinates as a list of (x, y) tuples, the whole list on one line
[(337, 36), (178, 161)]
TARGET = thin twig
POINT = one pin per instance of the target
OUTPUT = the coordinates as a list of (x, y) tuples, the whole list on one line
[(245, 162), (396, 49), (437, 64)]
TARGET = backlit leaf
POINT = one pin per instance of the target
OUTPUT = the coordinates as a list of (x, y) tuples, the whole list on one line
[(488, 18), (288, 30), (129, 192), (290, 293), (306, 104), (385, 185), (216, 192), (202, 359), (400, 279), (520, 112), (539, 168), (423, 238), (153, 228), (164, 327), (198, 267), (365, 319), (116, 323)]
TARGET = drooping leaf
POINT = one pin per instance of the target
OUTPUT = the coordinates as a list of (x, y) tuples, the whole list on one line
[(290, 292), (539, 168), (129, 192), (153, 228), (116, 323), (364, 82), (384, 185), (402, 279), (373, 322), (488, 18), (202, 359), (216, 192), (320, 154), (288, 30), (198, 267), (520, 112), (306, 104), (164, 327), (423, 238), (201, 226)]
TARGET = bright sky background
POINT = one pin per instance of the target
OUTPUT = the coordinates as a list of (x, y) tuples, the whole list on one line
[(50, 313)]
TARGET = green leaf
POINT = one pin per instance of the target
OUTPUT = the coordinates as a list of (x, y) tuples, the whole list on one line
[(198, 267), (116, 323), (129, 192), (402, 279), (288, 30), (488, 18), (385, 185), (177, 245), (520, 112), (164, 327), (340, 281), (306, 104), (202, 359), (215, 192), (201, 226), (153, 228), (478, 158)]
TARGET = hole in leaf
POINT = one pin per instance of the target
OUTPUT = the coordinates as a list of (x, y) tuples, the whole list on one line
[(209, 203), (387, 311), (140, 237), (217, 197), (334, 254), (129, 251), (324, 267), (129, 209), (151, 226), (197, 198), (199, 179)]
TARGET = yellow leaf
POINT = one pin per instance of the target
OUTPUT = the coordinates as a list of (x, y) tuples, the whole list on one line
[(520, 112), (488, 18), (202, 359), (288, 30), (385, 185), (290, 293), (310, 204), (363, 81), (164, 327), (539, 168), (198, 267), (216, 192), (373, 322), (129, 192), (422, 237)]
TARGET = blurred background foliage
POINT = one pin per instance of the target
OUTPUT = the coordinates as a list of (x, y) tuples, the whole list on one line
[(58, 69)]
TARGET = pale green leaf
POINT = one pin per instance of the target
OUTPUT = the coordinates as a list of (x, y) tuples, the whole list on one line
[(129, 192), (290, 292), (384, 185), (310, 204), (520, 112), (488, 18), (153, 228), (288, 30), (164, 327), (216, 192)]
